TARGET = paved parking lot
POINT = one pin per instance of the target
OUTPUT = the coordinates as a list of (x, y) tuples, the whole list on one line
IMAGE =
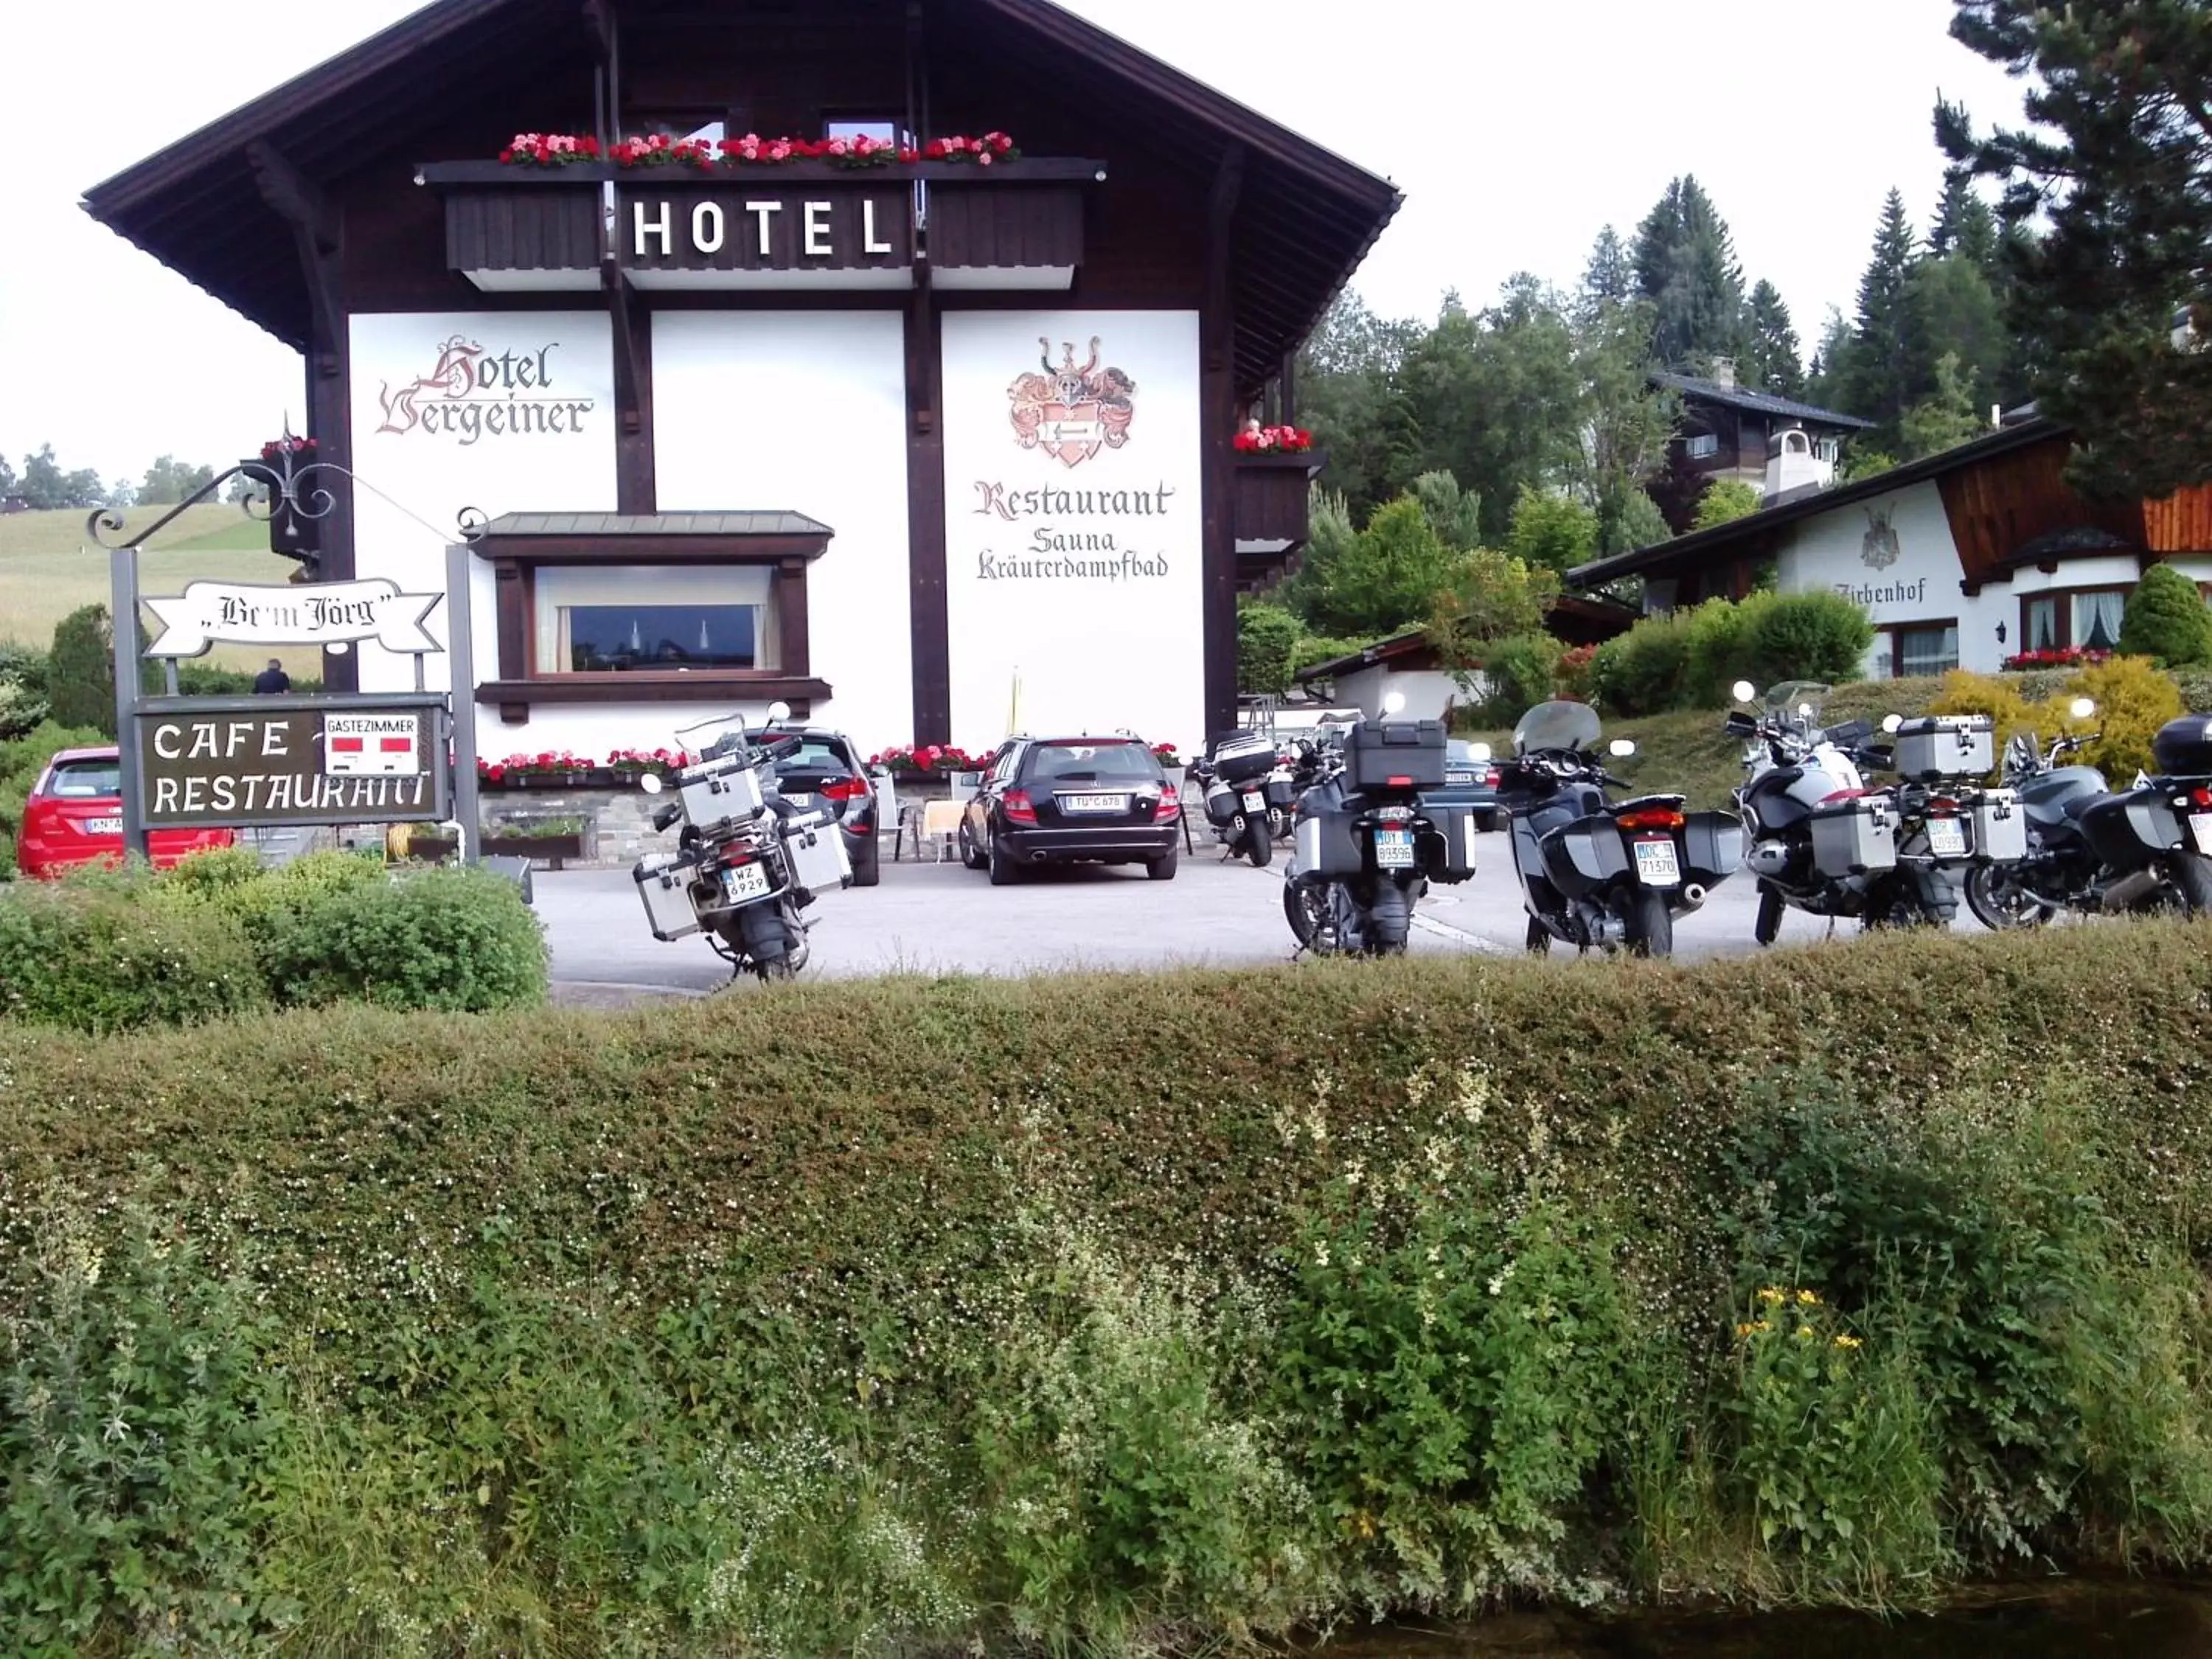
[(939, 918)]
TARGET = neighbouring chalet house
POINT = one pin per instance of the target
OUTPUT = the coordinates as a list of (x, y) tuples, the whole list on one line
[(1411, 666), (1730, 431), (878, 440), (1963, 559)]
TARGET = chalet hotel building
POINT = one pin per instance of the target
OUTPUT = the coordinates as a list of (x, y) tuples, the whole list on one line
[(754, 422)]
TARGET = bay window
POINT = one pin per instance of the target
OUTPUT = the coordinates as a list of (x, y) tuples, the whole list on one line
[(2079, 618), (612, 619)]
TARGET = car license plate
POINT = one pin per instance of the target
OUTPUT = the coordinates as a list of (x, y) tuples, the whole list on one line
[(1255, 801), (1655, 863), (741, 882), (1094, 803), (1394, 850), (1458, 778), (114, 827), (2200, 825), (1947, 837)]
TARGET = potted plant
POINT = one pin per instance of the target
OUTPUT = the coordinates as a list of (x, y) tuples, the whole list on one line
[(432, 843), (292, 532), (554, 839)]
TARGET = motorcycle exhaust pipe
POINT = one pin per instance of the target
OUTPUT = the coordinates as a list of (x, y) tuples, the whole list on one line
[(1694, 897), (2122, 894)]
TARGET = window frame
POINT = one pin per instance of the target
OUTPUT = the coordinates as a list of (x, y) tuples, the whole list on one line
[(1918, 625), (2065, 618), (768, 629)]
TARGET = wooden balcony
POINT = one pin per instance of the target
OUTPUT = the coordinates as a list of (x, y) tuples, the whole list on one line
[(1271, 513)]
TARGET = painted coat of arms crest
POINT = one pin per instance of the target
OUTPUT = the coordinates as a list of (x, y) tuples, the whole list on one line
[(1072, 411), (1879, 548)]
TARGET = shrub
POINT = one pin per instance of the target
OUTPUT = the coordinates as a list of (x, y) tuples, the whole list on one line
[(1518, 673), (1714, 651), (452, 939), (81, 670), (1267, 641), (1723, 501), (2133, 701), (1806, 636), (2167, 620), (1642, 671), (2195, 685), (1571, 675), (115, 951)]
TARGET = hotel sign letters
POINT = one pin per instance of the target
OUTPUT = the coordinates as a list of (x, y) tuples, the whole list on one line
[(208, 762), (823, 228)]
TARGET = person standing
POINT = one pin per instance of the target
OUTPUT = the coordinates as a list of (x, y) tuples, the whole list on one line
[(272, 680)]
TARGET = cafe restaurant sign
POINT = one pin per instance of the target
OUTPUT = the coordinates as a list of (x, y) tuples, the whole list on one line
[(212, 762), (325, 613)]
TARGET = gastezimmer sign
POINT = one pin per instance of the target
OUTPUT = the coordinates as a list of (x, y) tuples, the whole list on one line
[(213, 762)]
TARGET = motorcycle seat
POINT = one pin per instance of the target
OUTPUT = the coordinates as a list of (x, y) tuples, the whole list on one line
[(2077, 806)]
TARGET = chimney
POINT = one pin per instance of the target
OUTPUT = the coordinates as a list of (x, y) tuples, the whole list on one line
[(1724, 372)]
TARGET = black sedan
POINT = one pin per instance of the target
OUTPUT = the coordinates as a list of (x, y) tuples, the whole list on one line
[(826, 769), (1071, 800), (1470, 780)]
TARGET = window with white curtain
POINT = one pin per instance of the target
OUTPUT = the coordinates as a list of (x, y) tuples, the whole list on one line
[(1927, 649), (2043, 625), (2097, 620), (611, 619)]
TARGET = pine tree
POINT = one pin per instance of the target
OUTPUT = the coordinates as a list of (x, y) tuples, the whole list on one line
[(1945, 418), (1609, 279), (1773, 365), (2115, 167), (1686, 267), (1872, 377), (1964, 225), (80, 670)]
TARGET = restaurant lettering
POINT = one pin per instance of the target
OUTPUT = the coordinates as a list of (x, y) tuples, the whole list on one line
[(992, 566), (470, 394)]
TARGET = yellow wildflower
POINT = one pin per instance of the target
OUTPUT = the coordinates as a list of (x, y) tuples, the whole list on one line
[(1808, 1298), (1847, 1342), (1804, 1333), (1771, 1296)]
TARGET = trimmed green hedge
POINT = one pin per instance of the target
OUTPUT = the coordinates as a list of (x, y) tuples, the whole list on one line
[(107, 949), (922, 1312)]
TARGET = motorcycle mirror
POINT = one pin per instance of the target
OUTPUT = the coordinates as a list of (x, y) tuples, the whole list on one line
[(778, 712), (1891, 722), (1744, 690), (1394, 702), (1806, 709), (2081, 707), (650, 783), (1477, 751), (1621, 748)]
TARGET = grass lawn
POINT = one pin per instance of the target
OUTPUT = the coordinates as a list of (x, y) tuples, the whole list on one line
[(49, 567)]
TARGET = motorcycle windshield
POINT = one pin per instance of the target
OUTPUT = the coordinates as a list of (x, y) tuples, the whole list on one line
[(1785, 698), (1553, 728)]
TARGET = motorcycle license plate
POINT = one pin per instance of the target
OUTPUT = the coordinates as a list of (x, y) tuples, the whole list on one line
[(1094, 803), (741, 882), (1657, 865), (1255, 801), (1394, 850), (114, 827), (2200, 825), (1947, 837)]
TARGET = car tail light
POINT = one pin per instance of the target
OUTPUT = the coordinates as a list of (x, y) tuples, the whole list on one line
[(1490, 778), (1169, 809), (845, 788), (1019, 808), (2201, 796), (1399, 783), (1651, 817)]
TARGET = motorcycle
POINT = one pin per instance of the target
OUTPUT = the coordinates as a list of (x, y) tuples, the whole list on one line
[(1820, 840), (2061, 871), (2162, 827), (1233, 777), (1597, 872), (1364, 849), (748, 862)]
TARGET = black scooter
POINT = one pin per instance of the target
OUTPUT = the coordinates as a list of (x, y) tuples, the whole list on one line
[(1597, 872)]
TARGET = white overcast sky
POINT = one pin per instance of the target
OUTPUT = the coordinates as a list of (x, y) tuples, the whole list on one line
[(1516, 130)]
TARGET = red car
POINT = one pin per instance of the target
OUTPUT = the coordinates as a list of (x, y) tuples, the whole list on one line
[(75, 816)]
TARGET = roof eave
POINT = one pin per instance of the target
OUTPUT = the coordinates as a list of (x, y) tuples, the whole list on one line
[(1753, 525)]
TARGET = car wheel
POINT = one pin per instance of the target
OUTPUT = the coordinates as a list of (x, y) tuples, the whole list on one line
[(1490, 822), (1162, 869), (867, 863), (969, 858), (1004, 872)]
